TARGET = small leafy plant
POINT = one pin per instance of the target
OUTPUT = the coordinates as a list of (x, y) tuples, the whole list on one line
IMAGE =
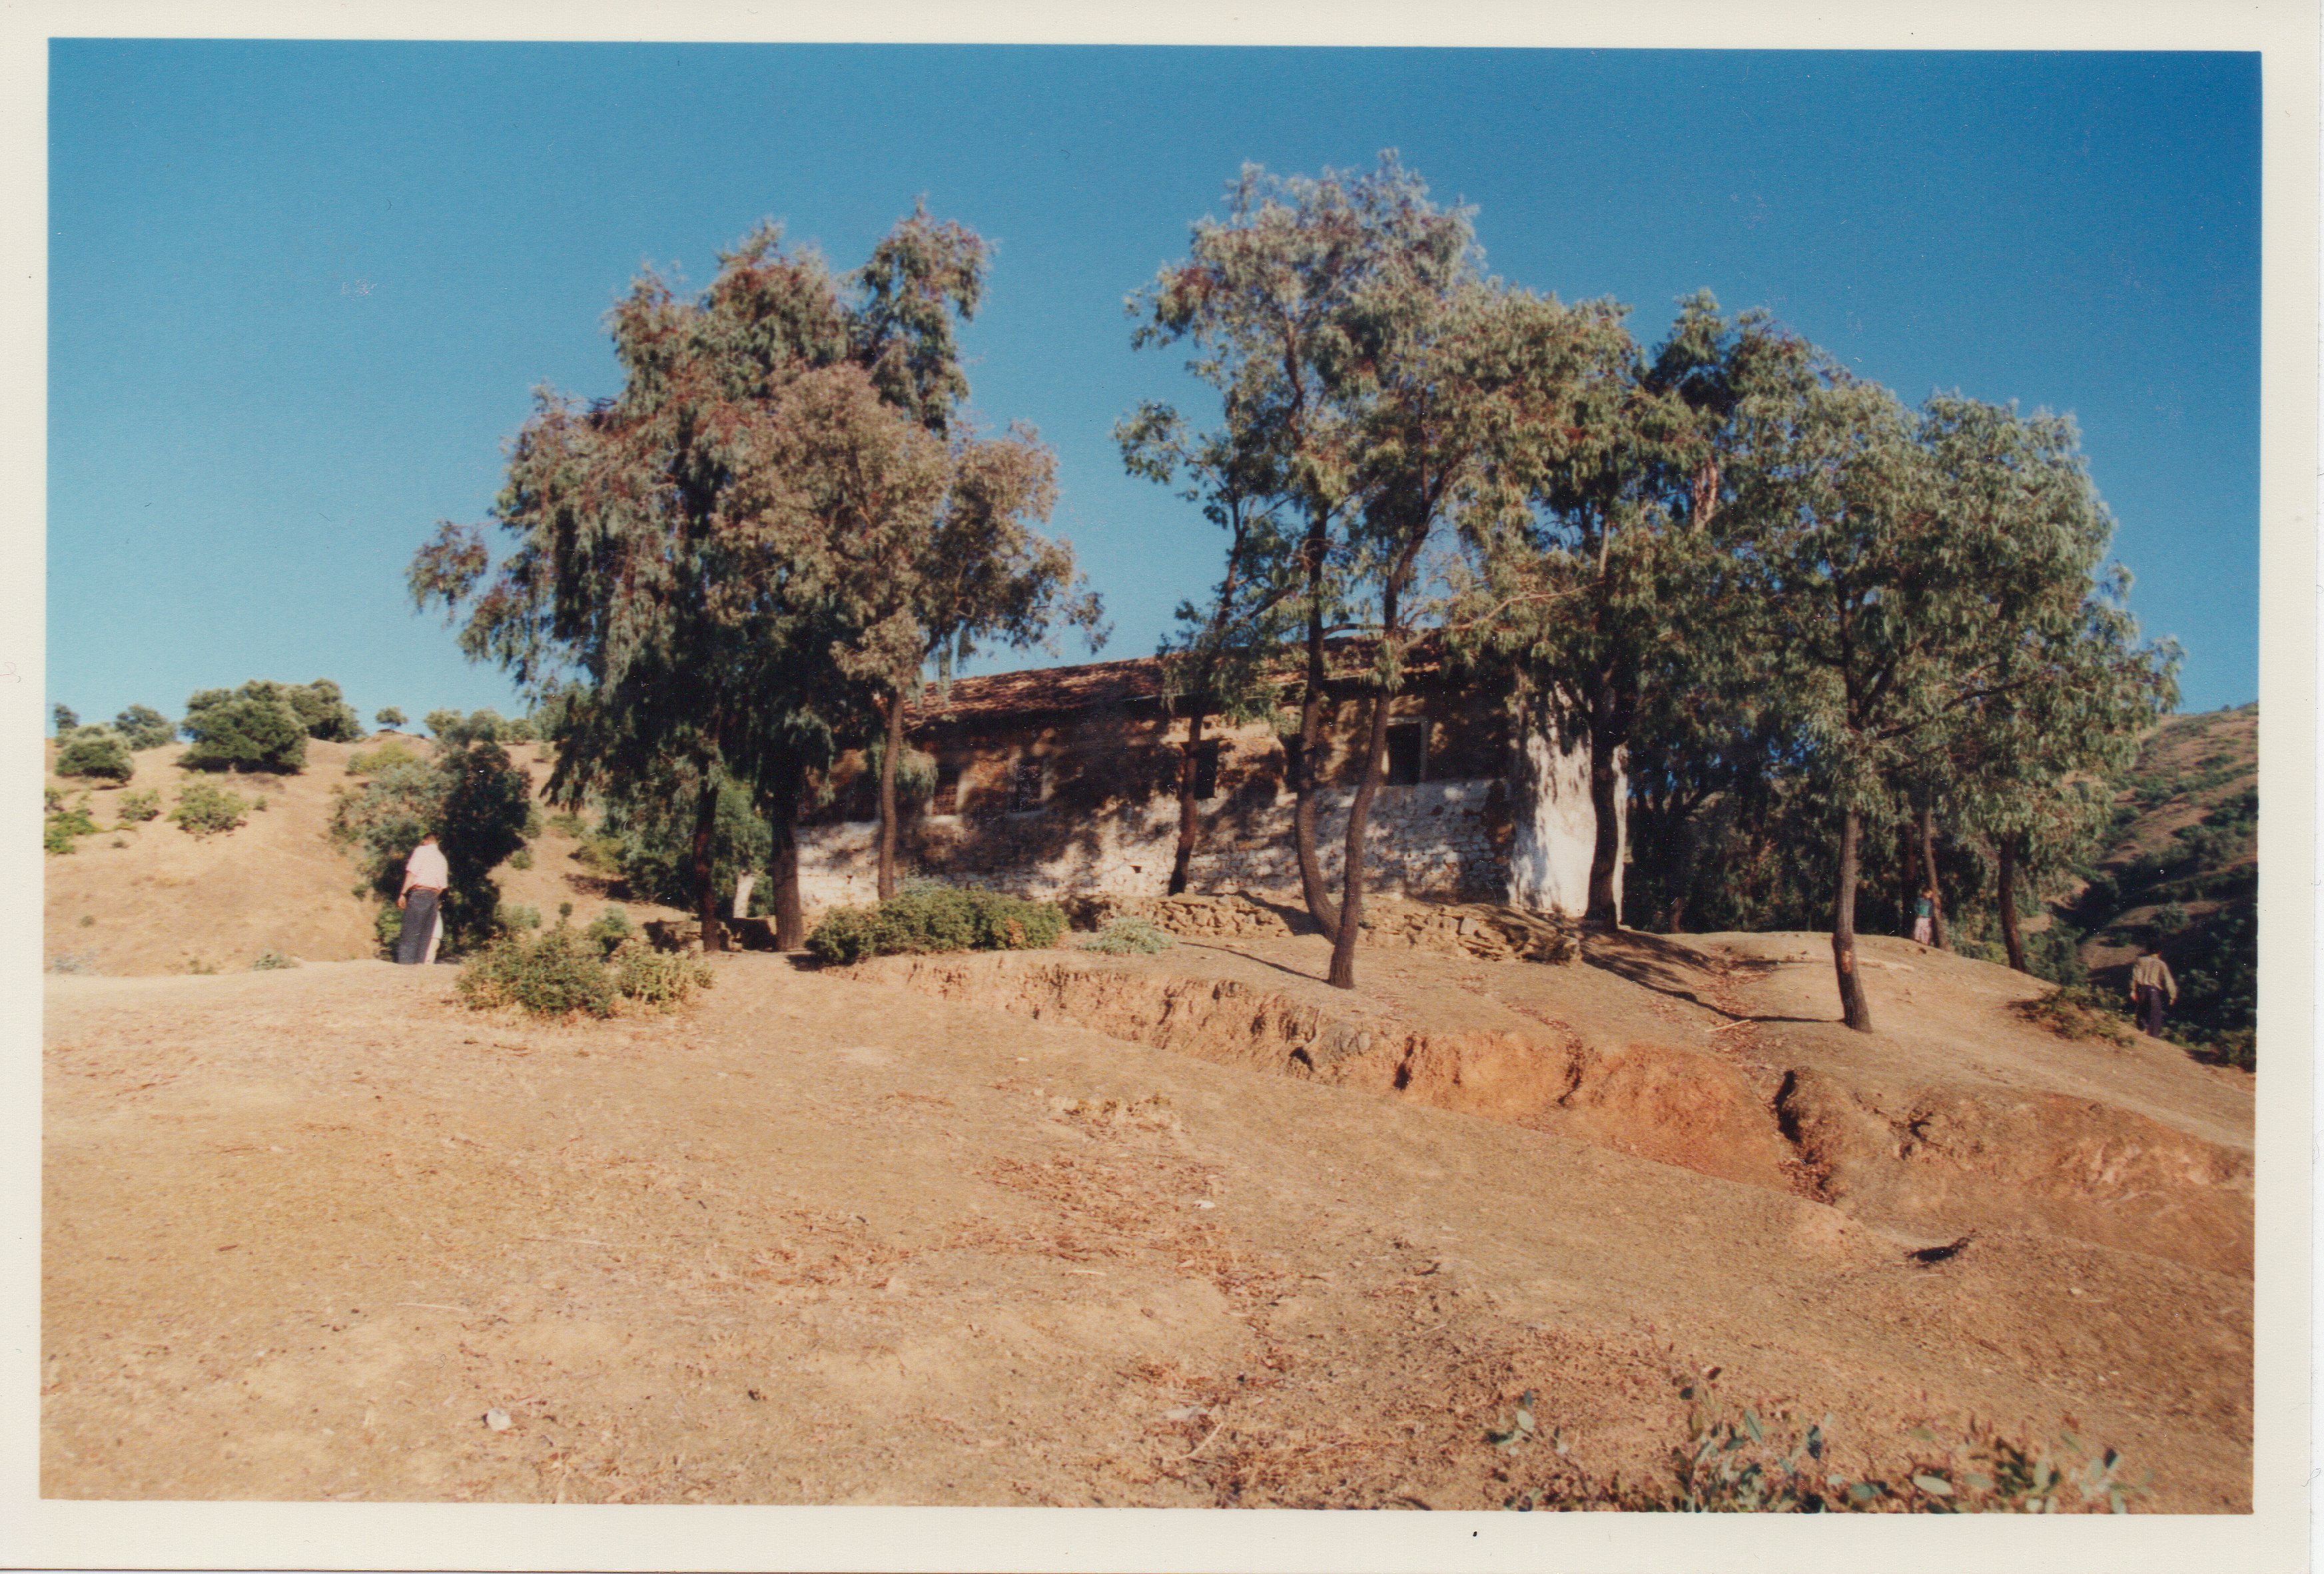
[(204, 810), (1130, 937), (932, 918), (272, 962), (136, 808), (2077, 1012)]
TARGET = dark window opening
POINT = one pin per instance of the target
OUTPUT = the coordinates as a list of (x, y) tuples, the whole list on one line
[(944, 798), (1206, 770), (1407, 748), (1025, 787)]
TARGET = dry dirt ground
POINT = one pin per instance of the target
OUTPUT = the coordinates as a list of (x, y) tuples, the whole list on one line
[(1050, 1228)]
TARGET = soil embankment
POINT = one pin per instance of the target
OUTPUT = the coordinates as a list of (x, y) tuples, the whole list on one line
[(1052, 1228)]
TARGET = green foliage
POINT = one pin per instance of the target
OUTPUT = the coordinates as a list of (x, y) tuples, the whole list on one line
[(2080, 1011), (251, 731), (65, 718), (372, 761), (97, 752), (389, 716), (472, 798), (136, 808), (485, 726), (271, 962), (443, 722), (655, 834), (932, 918), (60, 829), (608, 929), (521, 859), (144, 727), (519, 915), (387, 930), (561, 972), (657, 978), (1129, 937), (51, 799), (204, 810), (554, 974)]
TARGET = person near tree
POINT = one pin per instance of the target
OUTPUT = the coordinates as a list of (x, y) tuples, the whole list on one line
[(1924, 911), (426, 875), (2150, 980)]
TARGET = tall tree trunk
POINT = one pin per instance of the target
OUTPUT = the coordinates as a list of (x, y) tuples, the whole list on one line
[(783, 862), (1853, 1008), (1929, 872), (705, 835), (1308, 784), (1351, 876), (894, 746), (2013, 940), (1190, 823), (1604, 909)]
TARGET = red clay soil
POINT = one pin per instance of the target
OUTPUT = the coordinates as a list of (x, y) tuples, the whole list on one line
[(1059, 1228)]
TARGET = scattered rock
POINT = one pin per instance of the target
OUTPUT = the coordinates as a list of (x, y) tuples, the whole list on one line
[(498, 1419)]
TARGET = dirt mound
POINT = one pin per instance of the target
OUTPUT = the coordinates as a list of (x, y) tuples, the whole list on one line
[(821, 1237), (1928, 1152), (1491, 931)]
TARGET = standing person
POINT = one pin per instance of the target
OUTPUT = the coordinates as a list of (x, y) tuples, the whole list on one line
[(2150, 977), (425, 877), (1924, 916)]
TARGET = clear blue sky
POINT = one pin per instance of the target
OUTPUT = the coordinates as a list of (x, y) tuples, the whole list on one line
[(300, 292)]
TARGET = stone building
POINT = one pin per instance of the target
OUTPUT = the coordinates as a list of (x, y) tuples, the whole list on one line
[(1063, 780)]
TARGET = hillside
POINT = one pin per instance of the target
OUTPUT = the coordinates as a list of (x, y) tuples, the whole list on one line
[(2182, 864), (1178, 1230), (151, 898)]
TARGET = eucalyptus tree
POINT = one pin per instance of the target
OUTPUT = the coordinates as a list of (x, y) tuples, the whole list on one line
[(1264, 300), (1909, 564), (1220, 659), (678, 549), (970, 567)]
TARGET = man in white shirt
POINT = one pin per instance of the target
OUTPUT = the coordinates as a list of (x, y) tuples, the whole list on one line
[(426, 875)]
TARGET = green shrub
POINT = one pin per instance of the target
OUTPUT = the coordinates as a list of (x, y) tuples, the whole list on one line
[(521, 859), (59, 830), (657, 977), (271, 962), (2077, 1011), (372, 761), (608, 929), (387, 929), (517, 916), (99, 752), (935, 917), (389, 716), (66, 718), (562, 973), (143, 727), (136, 808), (555, 974), (1128, 936), (204, 810), (599, 853), (250, 732), (51, 800)]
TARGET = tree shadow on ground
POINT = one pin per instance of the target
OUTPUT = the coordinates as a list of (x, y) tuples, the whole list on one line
[(1669, 968)]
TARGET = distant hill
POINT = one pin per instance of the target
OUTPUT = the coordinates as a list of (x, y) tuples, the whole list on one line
[(2182, 863)]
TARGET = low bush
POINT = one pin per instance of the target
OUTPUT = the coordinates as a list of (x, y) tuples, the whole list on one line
[(1130, 937), (96, 752), (555, 974), (51, 800), (933, 917), (563, 972), (608, 929), (143, 727), (517, 916), (59, 831), (521, 859), (136, 808), (372, 761), (657, 978), (204, 810), (2077, 1011), (272, 962)]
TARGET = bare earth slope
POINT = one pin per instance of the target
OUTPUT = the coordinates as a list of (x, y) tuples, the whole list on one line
[(164, 901), (1051, 1228)]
